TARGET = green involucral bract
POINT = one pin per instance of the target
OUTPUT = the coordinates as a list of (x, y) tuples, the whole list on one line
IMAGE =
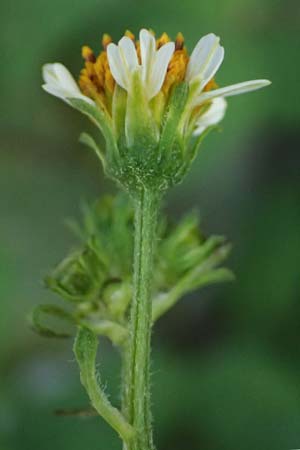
[(147, 144)]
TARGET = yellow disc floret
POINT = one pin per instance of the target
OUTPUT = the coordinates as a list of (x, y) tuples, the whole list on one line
[(88, 54), (96, 80), (210, 85), (106, 39), (164, 39), (178, 64), (129, 34)]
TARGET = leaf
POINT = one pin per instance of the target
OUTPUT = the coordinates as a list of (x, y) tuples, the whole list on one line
[(87, 140), (195, 280), (217, 256), (197, 255), (85, 349), (191, 153), (75, 228), (50, 311), (213, 277), (98, 116), (197, 141)]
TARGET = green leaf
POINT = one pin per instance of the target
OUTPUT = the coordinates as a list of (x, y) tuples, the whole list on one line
[(98, 116), (197, 255), (85, 349), (217, 256), (194, 280), (75, 228), (196, 143), (52, 311), (212, 277), (87, 140), (191, 153)]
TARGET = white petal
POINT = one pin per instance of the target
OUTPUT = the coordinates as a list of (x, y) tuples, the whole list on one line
[(49, 73), (234, 89), (205, 60), (80, 97), (159, 68), (128, 53), (54, 91), (60, 83), (65, 95), (213, 66), (148, 50), (116, 66), (124, 63), (212, 116), (64, 77)]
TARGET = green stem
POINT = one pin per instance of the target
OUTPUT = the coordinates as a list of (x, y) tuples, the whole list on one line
[(136, 392)]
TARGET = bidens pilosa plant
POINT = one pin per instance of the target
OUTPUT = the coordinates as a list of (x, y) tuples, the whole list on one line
[(153, 104)]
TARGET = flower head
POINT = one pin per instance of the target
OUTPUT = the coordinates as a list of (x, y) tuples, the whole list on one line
[(151, 100)]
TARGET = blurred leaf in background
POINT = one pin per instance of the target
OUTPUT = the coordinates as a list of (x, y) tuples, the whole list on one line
[(226, 370)]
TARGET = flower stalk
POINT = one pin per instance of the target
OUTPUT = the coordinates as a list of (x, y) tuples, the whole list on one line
[(136, 399)]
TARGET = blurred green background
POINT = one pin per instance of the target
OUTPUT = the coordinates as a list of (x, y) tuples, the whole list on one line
[(226, 370)]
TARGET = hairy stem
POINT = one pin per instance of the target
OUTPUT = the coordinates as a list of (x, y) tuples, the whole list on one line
[(136, 390)]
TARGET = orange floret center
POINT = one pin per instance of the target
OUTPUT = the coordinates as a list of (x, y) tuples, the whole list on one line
[(96, 80)]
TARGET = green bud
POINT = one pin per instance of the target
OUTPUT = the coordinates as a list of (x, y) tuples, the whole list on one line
[(78, 277)]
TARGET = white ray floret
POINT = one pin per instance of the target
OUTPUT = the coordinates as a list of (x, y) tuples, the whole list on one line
[(205, 60), (124, 64), (214, 114), (60, 83), (234, 89)]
